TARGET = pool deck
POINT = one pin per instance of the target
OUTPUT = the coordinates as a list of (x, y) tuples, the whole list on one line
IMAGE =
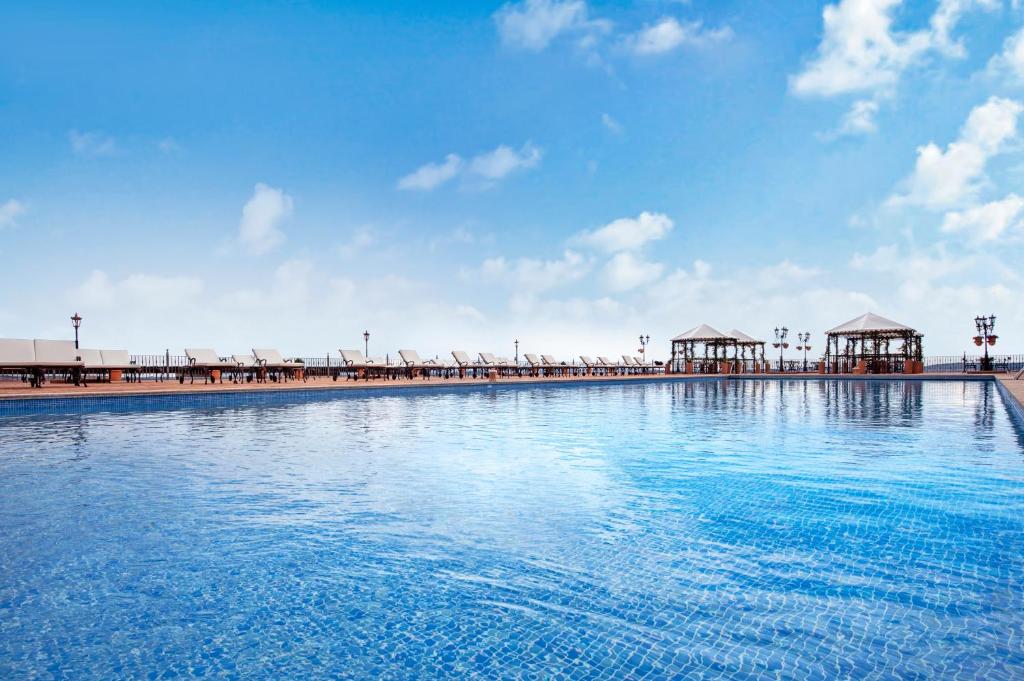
[(1015, 390), (17, 390)]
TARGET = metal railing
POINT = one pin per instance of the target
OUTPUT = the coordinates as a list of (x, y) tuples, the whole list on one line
[(972, 363), (168, 367)]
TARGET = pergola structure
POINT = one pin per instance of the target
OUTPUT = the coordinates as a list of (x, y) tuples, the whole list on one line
[(865, 346), (746, 345), (699, 350)]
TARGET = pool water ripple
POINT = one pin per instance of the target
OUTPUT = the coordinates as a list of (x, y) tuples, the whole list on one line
[(773, 529)]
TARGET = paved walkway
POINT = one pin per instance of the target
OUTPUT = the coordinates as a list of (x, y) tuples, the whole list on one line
[(16, 389), (1015, 388)]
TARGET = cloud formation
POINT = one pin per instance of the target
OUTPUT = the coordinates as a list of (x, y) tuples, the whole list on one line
[(627, 234), (93, 144), (260, 228), (669, 33), (862, 54), (626, 271), (533, 275), (1010, 61), (946, 178), (9, 212), (533, 24), (988, 221), (431, 175), (99, 290), (484, 169)]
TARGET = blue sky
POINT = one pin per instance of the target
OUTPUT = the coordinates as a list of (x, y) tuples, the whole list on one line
[(459, 175)]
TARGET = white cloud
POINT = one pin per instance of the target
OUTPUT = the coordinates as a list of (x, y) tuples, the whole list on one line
[(947, 16), (358, 242), (494, 165), (861, 53), (627, 234), (912, 265), (262, 215), (947, 178), (1011, 60), (9, 212), (626, 271), (471, 313), (611, 124), (860, 119), (669, 34), (533, 24), (532, 275), (99, 290), (432, 175), (92, 143), (292, 282), (484, 169), (785, 273), (986, 222)]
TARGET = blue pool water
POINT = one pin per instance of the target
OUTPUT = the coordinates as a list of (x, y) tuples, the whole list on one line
[(806, 530)]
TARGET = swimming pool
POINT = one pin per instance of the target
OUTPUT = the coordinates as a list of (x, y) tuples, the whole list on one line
[(747, 529)]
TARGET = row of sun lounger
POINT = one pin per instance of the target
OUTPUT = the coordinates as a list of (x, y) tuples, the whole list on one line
[(35, 360), (412, 366), (261, 365)]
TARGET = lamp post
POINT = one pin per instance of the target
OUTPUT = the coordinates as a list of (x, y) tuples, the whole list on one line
[(986, 327), (366, 344), (517, 351), (780, 343), (804, 339), (76, 322), (644, 340)]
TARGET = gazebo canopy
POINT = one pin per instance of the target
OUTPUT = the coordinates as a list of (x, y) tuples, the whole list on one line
[(869, 324), (743, 338), (702, 334)]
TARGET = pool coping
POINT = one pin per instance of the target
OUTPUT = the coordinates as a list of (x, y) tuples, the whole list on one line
[(1014, 403), (233, 397)]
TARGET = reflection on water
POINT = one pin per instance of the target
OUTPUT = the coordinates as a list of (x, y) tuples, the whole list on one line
[(749, 528)]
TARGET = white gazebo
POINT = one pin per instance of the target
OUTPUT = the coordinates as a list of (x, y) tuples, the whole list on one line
[(864, 346), (685, 356), (746, 344)]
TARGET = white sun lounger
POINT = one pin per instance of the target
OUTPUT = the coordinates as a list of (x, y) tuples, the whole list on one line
[(542, 365), (104, 362), (34, 359), (466, 365), (271, 361), (589, 364), (554, 366), (358, 366), (205, 361), (415, 366), (610, 366)]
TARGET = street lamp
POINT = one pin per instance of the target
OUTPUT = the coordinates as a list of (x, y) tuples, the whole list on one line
[(644, 340), (780, 342), (76, 322), (517, 351), (986, 327), (804, 339), (366, 343)]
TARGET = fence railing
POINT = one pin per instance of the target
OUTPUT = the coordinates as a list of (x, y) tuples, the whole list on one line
[(167, 366), (972, 363)]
